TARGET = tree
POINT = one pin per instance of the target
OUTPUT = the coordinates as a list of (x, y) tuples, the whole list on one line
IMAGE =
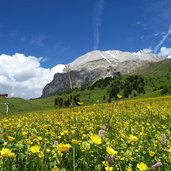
[(67, 69), (165, 90), (58, 101), (104, 97), (76, 99), (126, 92)]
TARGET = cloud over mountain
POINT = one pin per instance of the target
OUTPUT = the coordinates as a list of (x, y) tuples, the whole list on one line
[(165, 52), (23, 76)]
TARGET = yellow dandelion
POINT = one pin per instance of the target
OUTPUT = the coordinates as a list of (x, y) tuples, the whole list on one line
[(12, 155), (142, 166), (11, 138), (35, 149), (119, 96), (47, 150), (75, 141), (151, 153), (39, 138), (95, 139), (64, 147), (24, 133), (129, 169), (133, 138), (111, 151), (108, 168), (5, 143), (40, 154), (5, 152), (80, 103), (105, 163)]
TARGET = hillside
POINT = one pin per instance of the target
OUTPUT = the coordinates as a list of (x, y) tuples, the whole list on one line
[(19, 105), (96, 65), (158, 74)]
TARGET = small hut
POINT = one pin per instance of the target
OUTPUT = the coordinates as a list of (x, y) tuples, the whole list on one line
[(3, 95)]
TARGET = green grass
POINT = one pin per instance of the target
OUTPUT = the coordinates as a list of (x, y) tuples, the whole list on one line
[(157, 74), (19, 105)]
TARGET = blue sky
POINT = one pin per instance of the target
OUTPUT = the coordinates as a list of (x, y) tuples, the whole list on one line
[(36, 35), (61, 30)]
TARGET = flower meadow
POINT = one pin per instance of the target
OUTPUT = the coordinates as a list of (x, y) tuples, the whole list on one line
[(121, 136)]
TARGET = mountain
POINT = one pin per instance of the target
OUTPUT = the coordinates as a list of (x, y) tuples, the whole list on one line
[(95, 65)]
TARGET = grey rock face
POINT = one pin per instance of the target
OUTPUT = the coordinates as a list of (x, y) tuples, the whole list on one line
[(96, 65)]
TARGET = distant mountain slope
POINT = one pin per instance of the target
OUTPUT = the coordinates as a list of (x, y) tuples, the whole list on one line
[(95, 65), (113, 58), (158, 74)]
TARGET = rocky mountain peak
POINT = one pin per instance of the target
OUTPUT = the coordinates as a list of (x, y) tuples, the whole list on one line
[(95, 65)]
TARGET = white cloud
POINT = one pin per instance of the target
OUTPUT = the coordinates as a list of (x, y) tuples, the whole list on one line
[(148, 50), (58, 68), (98, 10), (165, 52), (23, 76), (165, 36)]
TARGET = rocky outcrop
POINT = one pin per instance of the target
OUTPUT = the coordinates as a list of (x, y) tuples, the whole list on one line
[(60, 82)]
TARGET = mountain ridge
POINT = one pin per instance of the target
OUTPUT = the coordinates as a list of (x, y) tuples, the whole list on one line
[(95, 65)]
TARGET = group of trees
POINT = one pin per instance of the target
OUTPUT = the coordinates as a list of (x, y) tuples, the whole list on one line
[(124, 85), (165, 89), (67, 102)]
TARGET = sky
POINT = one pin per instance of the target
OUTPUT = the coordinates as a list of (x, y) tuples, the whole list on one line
[(38, 35)]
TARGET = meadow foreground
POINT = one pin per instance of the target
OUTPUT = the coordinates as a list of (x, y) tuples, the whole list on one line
[(125, 136)]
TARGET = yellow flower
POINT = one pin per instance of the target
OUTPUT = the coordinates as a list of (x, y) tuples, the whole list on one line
[(129, 169), (64, 147), (47, 150), (96, 139), (5, 152), (133, 138), (39, 138), (108, 168), (119, 96), (40, 154), (111, 151), (151, 153), (55, 168), (170, 150), (105, 163), (24, 133), (12, 155), (75, 141), (11, 138), (142, 166), (5, 143), (35, 149), (149, 107), (80, 103)]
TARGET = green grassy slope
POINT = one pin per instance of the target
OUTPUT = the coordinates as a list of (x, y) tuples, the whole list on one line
[(17, 105), (157, 74)]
